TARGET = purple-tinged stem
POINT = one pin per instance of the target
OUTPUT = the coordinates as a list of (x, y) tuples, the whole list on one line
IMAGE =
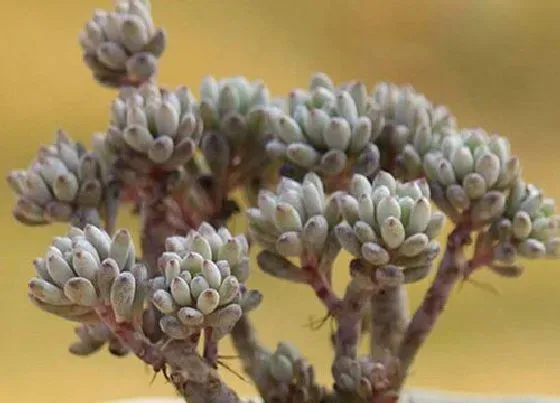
[(155, 229), (210, 352), (349, 318), (425, 317), (389, 319)]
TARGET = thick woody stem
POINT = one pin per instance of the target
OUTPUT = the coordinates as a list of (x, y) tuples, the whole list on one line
[(349, 318), (389, 318), (189, 215), (155, 225), (372, 384), (154, 233), (155, 228), (423, 321), (130, 338), (363, 288), (193, 378)]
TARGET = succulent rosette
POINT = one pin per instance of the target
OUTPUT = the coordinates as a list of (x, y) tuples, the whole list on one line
[(122, 47), (326, 130), (64, 183), (153, 132), (295, 221), (201, 280), (85, 270), (471, 171), (389, 222), (412, 125), (234, 112)]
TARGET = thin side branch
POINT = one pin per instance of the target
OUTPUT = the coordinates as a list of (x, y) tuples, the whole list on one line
[(323, 290), (315, 272), (317, 276), (423, 321), (130, 338)]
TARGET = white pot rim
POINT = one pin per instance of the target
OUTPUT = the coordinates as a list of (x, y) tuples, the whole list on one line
[(418, 396)]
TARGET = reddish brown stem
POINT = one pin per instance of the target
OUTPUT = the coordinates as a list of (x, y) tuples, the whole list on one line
[(189, 215), (483, 253), (322, 288), (130, 338)]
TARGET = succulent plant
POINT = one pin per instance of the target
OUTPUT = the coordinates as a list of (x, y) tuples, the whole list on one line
[(198, 286), (359, 377), (412, 125), (206, 243), (472, 171), (234, 114), (152, 130), (63, 183), (85, 269), (327, 130), (296, 220), (328, 169), (528, 228), (122, 47), (388, 222), (237, 108), (283, 369)]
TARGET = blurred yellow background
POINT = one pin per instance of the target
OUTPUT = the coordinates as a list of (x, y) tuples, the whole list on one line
[(495, 63)]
